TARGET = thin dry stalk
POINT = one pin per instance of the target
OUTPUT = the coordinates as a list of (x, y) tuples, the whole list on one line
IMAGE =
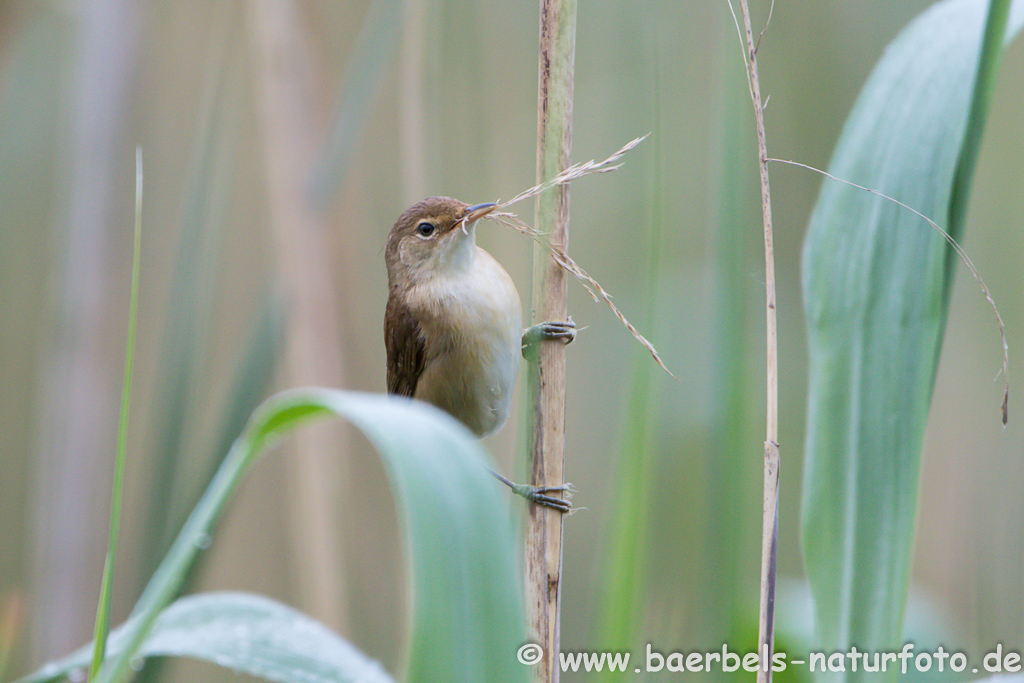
[(770, 504)]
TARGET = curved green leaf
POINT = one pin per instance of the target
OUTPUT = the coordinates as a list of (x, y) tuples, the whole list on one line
[(876, 284), (249, 634), (467, 620)]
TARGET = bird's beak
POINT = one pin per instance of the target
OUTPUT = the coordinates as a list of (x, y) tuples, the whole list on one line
[(475, 213)]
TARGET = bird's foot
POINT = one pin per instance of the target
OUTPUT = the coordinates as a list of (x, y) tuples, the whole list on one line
[(539, 494), (564, 331)]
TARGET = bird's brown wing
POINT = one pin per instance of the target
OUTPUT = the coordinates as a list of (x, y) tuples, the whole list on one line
[(405, 346)]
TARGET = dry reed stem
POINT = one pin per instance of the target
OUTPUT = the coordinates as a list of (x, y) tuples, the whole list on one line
[(770, 501), (546, 376)]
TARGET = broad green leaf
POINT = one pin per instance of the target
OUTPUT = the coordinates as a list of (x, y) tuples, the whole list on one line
[(467, 620), (248, 634), (876, 285)]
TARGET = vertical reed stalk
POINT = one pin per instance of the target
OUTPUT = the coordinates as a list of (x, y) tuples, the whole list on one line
[(546, 382), (770, 509)]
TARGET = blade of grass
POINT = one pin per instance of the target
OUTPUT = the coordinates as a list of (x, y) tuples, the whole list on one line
[(251, 379), (106, 588), (467, 619), (74, 429), (181, 467), (988, 68)]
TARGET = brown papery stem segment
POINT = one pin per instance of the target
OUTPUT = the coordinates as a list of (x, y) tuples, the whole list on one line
[(546, 375), (770, 503)]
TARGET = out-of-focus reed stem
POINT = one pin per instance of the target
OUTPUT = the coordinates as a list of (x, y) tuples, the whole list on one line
[(77, 392), (289, 92)]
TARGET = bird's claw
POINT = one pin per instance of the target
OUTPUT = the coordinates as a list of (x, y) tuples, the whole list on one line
[(562, 330), (538, 495)]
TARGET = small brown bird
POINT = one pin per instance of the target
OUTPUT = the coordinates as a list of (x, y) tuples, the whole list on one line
[(453, 322)]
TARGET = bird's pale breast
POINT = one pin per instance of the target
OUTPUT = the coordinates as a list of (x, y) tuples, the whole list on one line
[(473, 327)]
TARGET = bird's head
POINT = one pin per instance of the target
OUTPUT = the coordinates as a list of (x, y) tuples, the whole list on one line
[(431, 238)]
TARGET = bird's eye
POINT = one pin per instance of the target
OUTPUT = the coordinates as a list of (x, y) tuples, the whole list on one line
[(425, 229)]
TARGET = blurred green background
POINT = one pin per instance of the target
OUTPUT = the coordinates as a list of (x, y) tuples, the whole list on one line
[(282, 139)]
